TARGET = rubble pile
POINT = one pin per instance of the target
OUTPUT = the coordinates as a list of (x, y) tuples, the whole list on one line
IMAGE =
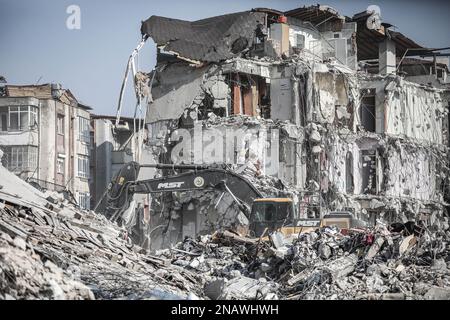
[(49, 249), (23, 274), (80, 259), (401, 261)]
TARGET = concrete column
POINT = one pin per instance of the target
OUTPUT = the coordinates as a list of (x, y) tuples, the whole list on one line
[(386, 57), (280, 33), (296, 103)]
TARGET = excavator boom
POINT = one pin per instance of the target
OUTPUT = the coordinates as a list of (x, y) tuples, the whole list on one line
[(199, 177)]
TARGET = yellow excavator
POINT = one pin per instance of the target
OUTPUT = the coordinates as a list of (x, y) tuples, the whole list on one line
[(265, 215), (279, 214)]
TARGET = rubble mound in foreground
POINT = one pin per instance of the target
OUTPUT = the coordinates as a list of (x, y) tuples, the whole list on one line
[(51, 250), (402, 261)]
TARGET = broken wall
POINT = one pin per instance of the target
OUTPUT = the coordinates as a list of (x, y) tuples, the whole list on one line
[(325, 148), (332, 96), (406, 109), (345, 165), (413, 171), (329, 43), (179, 86)]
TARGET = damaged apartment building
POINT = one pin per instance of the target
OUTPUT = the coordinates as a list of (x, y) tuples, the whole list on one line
[(330, 111), (44, 138)]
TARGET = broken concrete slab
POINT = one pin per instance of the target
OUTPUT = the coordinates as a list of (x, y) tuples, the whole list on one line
[(343, 266)]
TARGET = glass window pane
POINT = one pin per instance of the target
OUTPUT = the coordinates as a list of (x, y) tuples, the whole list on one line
[(34, 111), (3, 122), (24, 121), (83, 125), (14, 121), (32, 119), (19, 158), (33, 158), (60, 125)]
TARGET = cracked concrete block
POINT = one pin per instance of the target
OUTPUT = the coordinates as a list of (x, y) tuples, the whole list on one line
[(343, 266), (219, 90), (316, 149), (277, 239), (439, 265), (324, 251), (437, 293), (20, 243), (376, 246), (265, 267), (315, 136)]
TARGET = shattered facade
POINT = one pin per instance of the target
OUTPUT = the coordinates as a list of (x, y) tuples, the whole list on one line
[(287, 100), (305, 107)]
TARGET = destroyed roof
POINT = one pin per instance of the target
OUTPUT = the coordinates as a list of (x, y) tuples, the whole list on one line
[(223, 37), (367, 40), (315, 14), (210, 40), (421, 66)]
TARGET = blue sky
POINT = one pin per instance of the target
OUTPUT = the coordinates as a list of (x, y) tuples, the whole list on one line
[(36, 46)]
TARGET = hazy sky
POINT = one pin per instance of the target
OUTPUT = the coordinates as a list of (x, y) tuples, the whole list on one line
[(37, 47)]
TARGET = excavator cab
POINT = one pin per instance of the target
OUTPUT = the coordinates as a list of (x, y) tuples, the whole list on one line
[(278, 214), (270, 213)]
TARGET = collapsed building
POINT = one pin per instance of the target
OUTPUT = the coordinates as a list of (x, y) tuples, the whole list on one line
[(297, 111), (307, 104), (49, 249)]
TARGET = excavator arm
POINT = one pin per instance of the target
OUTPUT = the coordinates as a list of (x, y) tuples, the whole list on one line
[(198, 177)]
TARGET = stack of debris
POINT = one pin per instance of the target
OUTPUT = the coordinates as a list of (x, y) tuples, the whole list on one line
[(402, 261), (51, 250)]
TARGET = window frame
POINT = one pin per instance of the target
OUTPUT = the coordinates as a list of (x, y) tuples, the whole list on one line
[(83, 166), (84, 200), (60, 126), (31, 113), (21, 158), (60, 164), (84, 134)]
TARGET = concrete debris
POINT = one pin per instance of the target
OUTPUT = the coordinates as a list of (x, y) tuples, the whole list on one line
[(322, 264), (294, 112), (24, 275), (75, 254), (370, 142), (84, 256)]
